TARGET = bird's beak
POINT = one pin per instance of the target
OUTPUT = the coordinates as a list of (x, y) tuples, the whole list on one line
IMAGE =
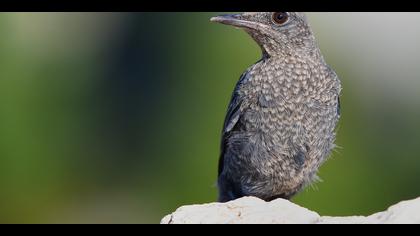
[(235, 20)]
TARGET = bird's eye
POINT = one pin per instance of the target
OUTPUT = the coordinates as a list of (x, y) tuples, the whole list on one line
[(280, 17)]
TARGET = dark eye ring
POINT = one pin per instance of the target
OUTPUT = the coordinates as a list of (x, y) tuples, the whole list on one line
[(280, 17)]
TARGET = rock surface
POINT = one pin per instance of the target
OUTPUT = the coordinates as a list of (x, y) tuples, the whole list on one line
[(251, 210)]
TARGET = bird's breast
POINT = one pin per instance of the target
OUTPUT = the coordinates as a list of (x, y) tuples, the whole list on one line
[(288, 96)]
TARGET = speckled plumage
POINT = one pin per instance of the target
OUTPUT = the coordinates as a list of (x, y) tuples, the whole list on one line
[(280, 123)]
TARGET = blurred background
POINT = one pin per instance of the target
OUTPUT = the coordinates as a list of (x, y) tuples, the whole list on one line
[(116, 117)]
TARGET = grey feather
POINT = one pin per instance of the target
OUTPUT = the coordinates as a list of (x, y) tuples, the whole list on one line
[(280, 123)]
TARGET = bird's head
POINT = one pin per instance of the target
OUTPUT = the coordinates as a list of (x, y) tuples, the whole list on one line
[(277, 33)]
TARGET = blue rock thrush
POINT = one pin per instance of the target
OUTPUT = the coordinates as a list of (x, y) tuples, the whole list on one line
[(281, 120)]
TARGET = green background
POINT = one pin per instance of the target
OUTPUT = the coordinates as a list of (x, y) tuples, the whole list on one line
[(116, 117)]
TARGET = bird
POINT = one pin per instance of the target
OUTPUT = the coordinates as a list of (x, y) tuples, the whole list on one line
[(281, 121)]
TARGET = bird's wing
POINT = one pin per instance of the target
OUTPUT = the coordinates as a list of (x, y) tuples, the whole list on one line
[(232, 118), (233, 113)]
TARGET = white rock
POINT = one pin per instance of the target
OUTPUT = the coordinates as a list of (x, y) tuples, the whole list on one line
[(251, 210)]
